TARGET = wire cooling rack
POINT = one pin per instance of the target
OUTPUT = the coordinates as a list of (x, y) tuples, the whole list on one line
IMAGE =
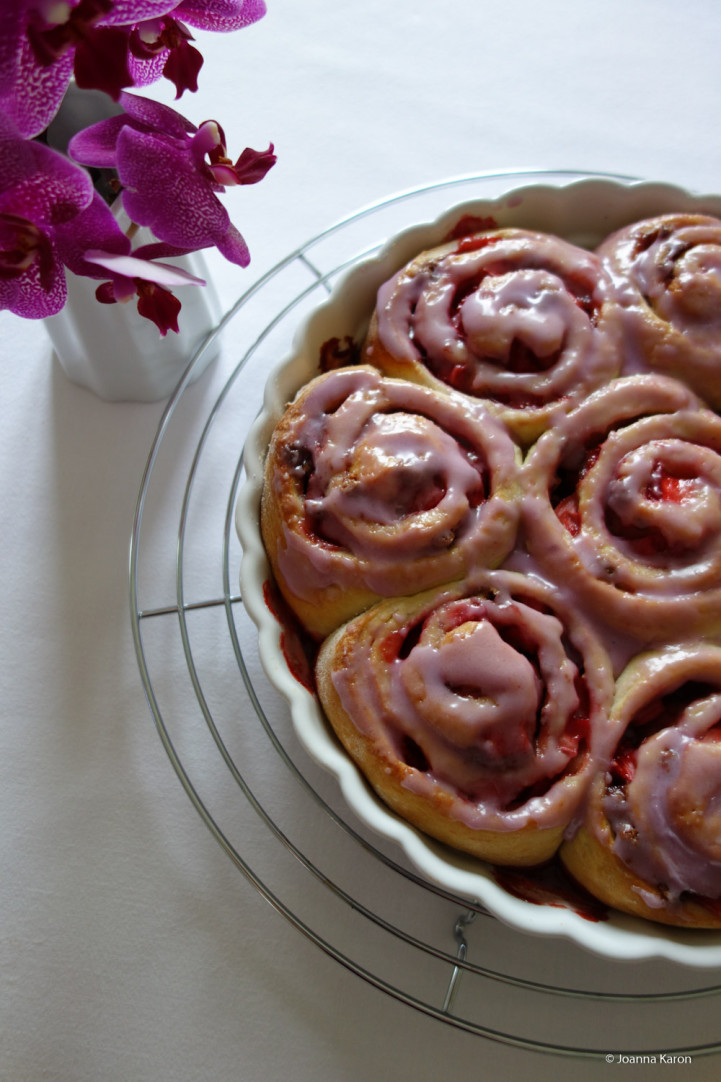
[(228, 736)]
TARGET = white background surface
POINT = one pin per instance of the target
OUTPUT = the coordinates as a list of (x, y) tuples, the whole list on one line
[(130, 947)]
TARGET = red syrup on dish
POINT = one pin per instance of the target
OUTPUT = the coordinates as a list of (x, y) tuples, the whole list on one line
[(550, 884), (469, 225), (298, 648), (338, 353)]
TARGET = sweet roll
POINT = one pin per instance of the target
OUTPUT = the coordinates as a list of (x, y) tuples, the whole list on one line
[(667, 281), (650, 843), (519, 319), (623, 506), (375, 487), (477, 712)]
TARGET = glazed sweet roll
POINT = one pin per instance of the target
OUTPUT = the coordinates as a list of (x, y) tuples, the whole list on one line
[(623, 506), (478, 712), (667, 276), (375, 487), (651, 840), (519, 319)]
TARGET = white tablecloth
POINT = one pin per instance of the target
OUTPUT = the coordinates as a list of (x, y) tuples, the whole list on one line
[(131, 947)]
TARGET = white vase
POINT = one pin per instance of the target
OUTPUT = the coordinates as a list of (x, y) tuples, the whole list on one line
[(120, 355)]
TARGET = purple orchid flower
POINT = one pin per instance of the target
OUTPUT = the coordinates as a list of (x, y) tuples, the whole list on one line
[(170, 172), (43, 41), (106, 44), (30, 94), (161, 47), (41, 194), (50, 219)]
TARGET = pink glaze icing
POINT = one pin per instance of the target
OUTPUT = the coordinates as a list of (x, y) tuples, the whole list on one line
[(688, 520), (666, 279), (623, 502), (685, 446), (503, 702), (673, 266), (463, 313), (406, 488)]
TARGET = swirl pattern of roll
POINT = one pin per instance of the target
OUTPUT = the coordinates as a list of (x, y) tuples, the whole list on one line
[(519, 319), (375, 487), (623, 506), (478, 712), (650, 843), (667, 276)]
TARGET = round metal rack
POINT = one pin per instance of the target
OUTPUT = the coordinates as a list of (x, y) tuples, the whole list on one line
[(277, 816)]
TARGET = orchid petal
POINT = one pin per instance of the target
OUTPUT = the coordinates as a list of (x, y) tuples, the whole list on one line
[(33, 297), (33, 94), (220, 15), (156, 116), (252, 165), (41, 193), (105, 294), (167, 183), (12, 29), (163, 190), (234, 248), (101, 61), (160, 306), (128, 12), (96, 145), (147, 70), (182, 67), (160, 250), (37, 183), (152, 116), (94, 227), (129, 266)]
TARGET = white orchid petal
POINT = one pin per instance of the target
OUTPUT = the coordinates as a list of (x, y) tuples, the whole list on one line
[(128, 266)]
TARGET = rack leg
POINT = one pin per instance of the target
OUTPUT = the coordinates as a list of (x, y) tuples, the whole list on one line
[(459, 935)]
